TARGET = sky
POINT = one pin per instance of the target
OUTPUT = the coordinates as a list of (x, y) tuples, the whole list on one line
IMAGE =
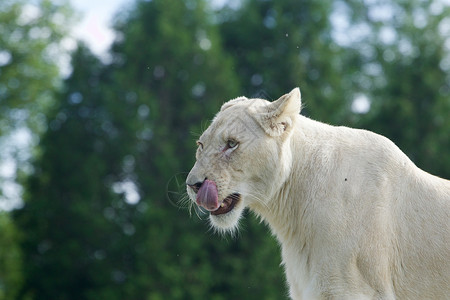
[(96, 20)]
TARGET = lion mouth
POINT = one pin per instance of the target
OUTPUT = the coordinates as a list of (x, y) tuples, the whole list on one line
[(227, 204)]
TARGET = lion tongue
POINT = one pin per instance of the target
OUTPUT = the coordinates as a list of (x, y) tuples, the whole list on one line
[(207, 196)]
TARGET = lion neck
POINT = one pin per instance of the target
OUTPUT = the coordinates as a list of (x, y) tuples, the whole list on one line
[(286, 208)]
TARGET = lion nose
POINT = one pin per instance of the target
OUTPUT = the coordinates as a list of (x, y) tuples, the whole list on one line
[(196, 186)]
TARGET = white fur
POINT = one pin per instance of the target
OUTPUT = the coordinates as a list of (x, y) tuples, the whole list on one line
[(356, 219)]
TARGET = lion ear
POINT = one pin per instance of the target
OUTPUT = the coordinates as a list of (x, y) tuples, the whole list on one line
[(277, 117)]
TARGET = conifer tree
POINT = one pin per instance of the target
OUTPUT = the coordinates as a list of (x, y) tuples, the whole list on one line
[(169, 57), (10, 259), (75, 223)]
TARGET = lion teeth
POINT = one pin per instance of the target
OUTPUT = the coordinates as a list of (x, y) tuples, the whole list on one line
[(222, 204)]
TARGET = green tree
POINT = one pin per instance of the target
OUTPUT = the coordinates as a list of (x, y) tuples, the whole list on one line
[(180, 76), (76, 222), (405, 73), (30, 39), (10, 259)]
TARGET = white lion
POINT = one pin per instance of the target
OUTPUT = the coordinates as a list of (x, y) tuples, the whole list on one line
[(356, 219)]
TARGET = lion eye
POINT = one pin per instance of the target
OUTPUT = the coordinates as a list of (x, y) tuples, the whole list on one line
[(231, 144), (200, 145)]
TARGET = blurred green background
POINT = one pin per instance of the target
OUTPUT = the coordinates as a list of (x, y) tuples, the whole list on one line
[(99, 155)]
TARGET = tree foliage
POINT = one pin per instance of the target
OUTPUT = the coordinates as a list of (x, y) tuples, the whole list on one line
[(30, 39), (80, 223), (408, 60), (10, 259), (181, 74)]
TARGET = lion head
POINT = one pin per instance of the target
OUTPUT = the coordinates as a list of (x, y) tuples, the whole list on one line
[(243, 157)]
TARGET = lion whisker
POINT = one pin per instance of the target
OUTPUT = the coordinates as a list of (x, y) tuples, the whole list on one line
[(259, 200)]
